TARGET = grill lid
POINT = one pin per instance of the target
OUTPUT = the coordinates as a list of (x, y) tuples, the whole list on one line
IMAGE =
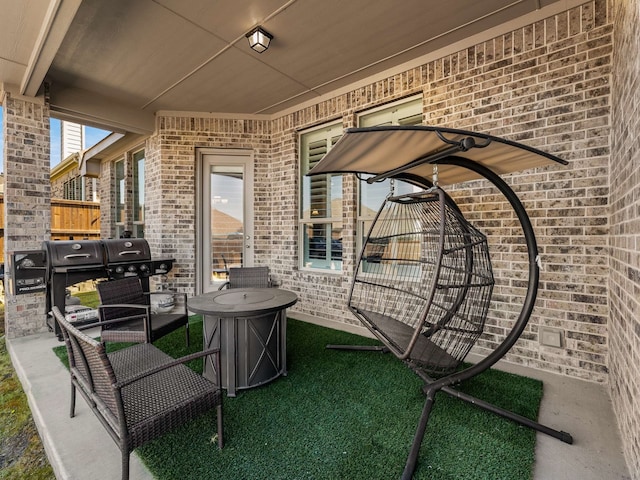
[(66, 253), (126, 250)]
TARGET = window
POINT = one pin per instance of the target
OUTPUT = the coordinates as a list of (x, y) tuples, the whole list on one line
[(120, 198), (138, 194), (371, 196), (73, 189), (129, 198), (320, 204)]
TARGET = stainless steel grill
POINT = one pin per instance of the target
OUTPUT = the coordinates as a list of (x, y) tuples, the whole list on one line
[(127, 256), (73, 255), (70, 262), (74, 261)]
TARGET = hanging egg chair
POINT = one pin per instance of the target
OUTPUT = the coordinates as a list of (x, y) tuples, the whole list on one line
[(424, 279)]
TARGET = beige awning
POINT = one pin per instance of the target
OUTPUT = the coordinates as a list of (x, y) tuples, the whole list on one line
[(414, 150)]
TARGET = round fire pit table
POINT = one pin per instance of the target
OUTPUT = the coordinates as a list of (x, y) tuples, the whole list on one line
[(250, 327)]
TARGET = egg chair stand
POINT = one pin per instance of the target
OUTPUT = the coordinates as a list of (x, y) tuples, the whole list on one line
[(424, 277)]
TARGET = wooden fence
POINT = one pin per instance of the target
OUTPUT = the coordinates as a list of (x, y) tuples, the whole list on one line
[(70, 219)]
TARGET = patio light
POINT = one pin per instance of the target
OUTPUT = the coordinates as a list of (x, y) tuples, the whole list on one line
[(259, 39)]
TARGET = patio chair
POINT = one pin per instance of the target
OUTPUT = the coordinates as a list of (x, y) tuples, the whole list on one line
[(138, 393), (426, 296), (248, 277), (141, 316), (424, 281)]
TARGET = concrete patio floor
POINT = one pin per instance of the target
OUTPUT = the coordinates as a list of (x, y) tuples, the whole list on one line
[(80, 448)]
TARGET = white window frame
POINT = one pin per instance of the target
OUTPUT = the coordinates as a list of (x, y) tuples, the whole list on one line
[(407, 111), (73, 189), (331, 223), (120, 193), (138, 192), (125, 189)]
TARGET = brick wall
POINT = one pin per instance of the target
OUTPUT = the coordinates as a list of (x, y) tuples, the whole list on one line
[(26, 201), (546, 85), (624, 283), (170, 172), (57, 186)]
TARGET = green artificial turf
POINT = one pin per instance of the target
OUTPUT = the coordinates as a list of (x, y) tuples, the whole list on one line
[(348, 415)]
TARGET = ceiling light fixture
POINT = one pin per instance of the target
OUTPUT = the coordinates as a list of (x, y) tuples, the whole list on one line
[(259, 39)]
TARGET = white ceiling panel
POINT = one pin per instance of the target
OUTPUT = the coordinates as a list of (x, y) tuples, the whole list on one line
[(191, 55), (244, 79)]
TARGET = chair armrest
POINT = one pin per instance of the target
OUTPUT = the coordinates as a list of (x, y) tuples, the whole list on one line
[(100, 323), (123, 305), (145, 310), (164, 366), (144, 315)]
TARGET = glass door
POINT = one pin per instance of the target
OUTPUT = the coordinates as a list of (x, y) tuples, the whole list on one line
[(226, 218)]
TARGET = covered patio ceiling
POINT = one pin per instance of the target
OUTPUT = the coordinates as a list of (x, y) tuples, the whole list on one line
[(114, 63)]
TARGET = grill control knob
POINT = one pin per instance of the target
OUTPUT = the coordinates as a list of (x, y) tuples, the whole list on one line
[(132, 268), (143, 268), (119, 269)]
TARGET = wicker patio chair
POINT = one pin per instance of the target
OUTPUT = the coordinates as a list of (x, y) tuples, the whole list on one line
[(248, 277), (138, 393), (424, 280), (140, 318)]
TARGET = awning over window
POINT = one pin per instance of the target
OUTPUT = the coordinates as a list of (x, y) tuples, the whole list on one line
[(395, 150)]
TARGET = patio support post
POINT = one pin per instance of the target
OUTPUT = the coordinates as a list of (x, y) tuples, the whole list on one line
[(27, 201)]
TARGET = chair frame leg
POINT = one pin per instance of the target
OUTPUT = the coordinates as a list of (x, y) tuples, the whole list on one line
[(220, 429), (125, 464), (412, 459), (514, 417), (430, 393), (72, 409)]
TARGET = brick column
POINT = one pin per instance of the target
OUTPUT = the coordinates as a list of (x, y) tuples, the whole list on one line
[(27, 201)]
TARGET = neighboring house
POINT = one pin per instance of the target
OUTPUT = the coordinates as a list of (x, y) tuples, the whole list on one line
[(70, 220), (66, 180), (69, 184)]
